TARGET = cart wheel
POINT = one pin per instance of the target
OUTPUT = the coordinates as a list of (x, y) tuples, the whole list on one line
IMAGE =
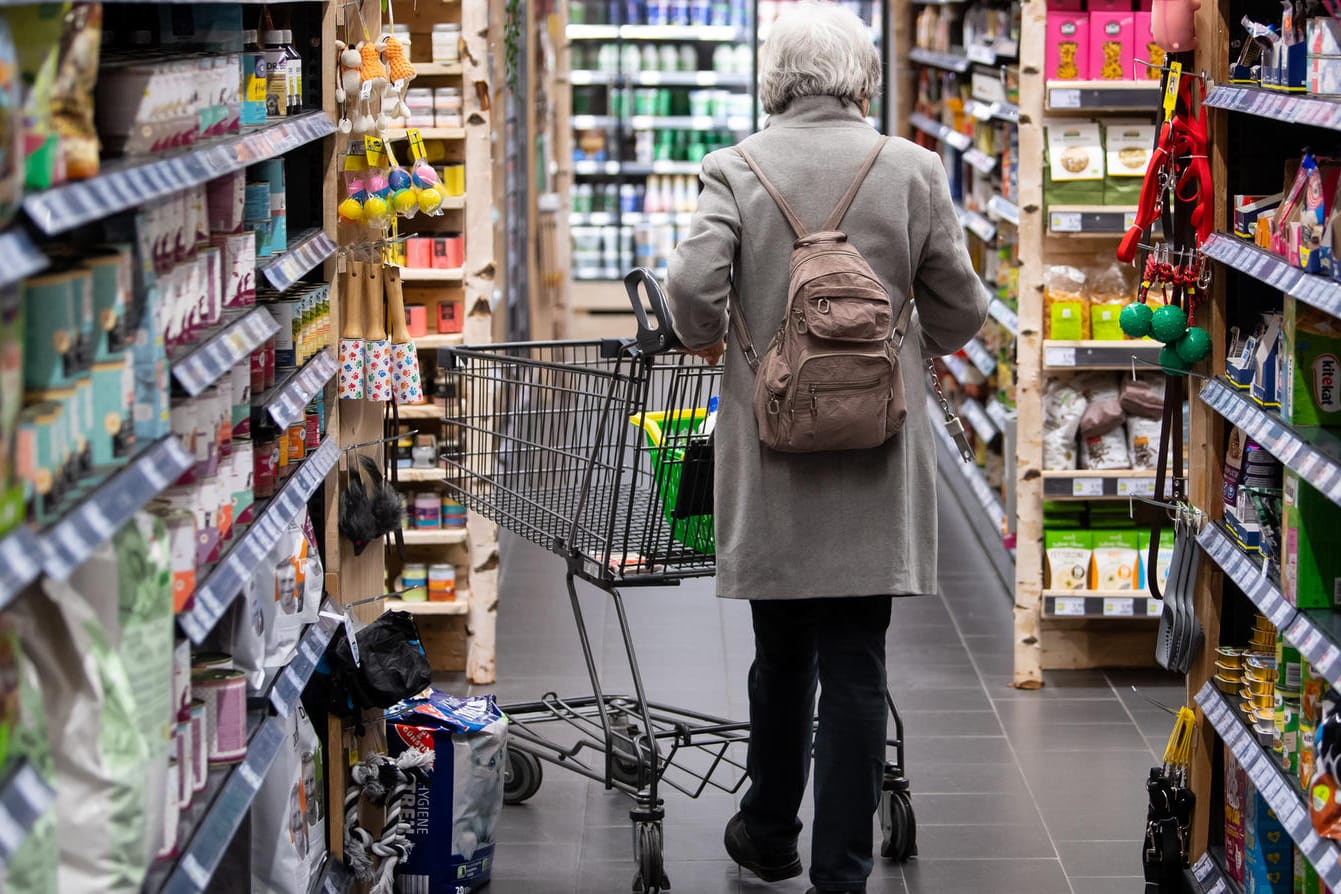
[(898, 825), (651, 877), (522, 776)]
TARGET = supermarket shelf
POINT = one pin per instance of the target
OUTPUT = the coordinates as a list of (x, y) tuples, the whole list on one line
[(19, 258), (428, 133), (1001, 417), (976, 224), (1275, 271), (980, 161), (962, 372), (432, 274), (661, 78), (1279, 789), (69, 541), (593, 122), (437, 69), (208, 826), (592, 32), (21, 560), (123, 185), (1100, 604), (716, 33), (420, 476), (1003, 209), (943, 132), (999, 110), (638, 168), (953, 61), (596, 167), (1090, 220), (981, 357), (303, 254), (420, 411), (1099, 354), (1099, 96), (286, 401), (204, 365), (633, 218), (691, 122), (431, 342), (1316, 633), (1121, 484), (977, 419), (1210, 877), (289, 685), (434, 536), (984, 54), (1292, 108), (1001, 312), (1312, 453), (24, 798), (216, 592), (458, 606), (982, 492)]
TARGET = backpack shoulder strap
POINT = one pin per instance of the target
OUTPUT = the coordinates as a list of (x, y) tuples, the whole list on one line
[(772, 190), (840, 211)]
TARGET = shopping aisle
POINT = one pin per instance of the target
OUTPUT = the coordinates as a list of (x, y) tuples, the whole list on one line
[(1029, 792)]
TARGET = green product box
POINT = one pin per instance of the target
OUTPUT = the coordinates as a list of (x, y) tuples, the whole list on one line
[(111, 270), (1306, 880), (1311, 394), (1127, 147), (1114, 564), (1068, 555), (1311, 546), (113, 397), (1073, 172), (50, 331)]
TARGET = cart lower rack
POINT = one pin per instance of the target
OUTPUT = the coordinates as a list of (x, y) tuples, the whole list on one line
[(601, 452)]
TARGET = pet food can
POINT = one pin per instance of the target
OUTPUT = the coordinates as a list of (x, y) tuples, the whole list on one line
[(224, 693), (171, 813), (427, 510), (312, 426), (441, 583), (1288, 668), (200, 737), (297, 441), (209, 661), (1307, 735), (185, 779), (1311, 689)]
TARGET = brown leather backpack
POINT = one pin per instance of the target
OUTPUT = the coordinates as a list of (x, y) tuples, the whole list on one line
[(830, 379)]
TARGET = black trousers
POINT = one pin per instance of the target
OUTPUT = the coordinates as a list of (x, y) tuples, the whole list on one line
[(838, 644)]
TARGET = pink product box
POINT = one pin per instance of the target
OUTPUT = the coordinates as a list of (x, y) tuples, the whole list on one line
[(1112, 45), (1108, 5), (238, 268), (1146, 48), (1068, 46), (1324, 75), (1324, 36), (226, 199)]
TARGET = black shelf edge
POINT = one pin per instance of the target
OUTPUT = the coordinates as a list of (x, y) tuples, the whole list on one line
[(289, 685), (24, 798), (1078, 485), (1209, 875), (286, 401), (19, 258), (1312, 454), (21, 559), (70, 540), (1125, 96), (1280, 791), (1291, 108), (1098, 221), (302, 255), (1263, 266), (221, 586), (129, 184), (205, 364), (953, 61), (1099, 355), (1136, 606)]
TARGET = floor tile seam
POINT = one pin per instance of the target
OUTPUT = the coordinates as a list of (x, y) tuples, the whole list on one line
[(982, 683), (1154, 752)]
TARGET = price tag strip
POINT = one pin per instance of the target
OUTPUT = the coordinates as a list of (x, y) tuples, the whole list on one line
[(981, 357), (221, 586), (21, 561), (214, 832), (302, 255), (205, 365), (69, 542), (947, 61), (1281, 107), (122, 186), (288, 400), (1006, 210), (24, 797), (1082, 606), (1239, 255), (1002, 313), (982, 491), (19, 258), (289, 686)]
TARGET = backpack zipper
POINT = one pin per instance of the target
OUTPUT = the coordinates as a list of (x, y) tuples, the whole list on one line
[(816, 390)]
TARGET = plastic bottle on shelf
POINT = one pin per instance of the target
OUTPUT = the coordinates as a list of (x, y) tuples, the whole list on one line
[(744, 58), (625, 249), (607, 58), (640, 200), (688, 57), (277, 93), (667, 200), (577, 13), (722, 58), (656, 12), (627, 199), (651, 60), (652, 196), (680, 195), (700, 12), (670, 57), (643, 147), (679, 12), (719, 13), (631, 61)]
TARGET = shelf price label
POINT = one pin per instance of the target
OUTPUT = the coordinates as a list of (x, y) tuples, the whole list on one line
[(1154, 608), (1087, 487), (981, 54), (1064, 98), (1065, 222), (1136, 487), (1119, 607), (1069, 606)]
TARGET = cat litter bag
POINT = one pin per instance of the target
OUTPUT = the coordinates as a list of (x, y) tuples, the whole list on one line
[(457, 799), (288, 820)]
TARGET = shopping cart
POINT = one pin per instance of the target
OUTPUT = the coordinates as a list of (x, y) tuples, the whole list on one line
[(600, 451)]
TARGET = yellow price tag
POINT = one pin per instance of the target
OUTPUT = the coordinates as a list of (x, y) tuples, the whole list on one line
[(417, 150), (355, 159), (1171, 89), (390, 155), (372, 146)]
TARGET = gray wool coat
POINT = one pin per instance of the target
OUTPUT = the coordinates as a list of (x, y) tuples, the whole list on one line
[(854, 523)]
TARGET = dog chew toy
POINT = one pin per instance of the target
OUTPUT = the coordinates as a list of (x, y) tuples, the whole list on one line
[(401, 73), (350, 78), (373, 78)]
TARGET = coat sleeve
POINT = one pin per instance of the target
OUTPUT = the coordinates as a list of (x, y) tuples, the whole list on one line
[(700, 268), (951, 299)]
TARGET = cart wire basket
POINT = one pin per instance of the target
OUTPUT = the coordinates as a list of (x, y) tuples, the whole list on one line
[(601, 452)]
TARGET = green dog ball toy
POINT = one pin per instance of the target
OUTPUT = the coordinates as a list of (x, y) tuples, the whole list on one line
[(1135, 319), (1195, 346), (1168, 324), (1172, 361)]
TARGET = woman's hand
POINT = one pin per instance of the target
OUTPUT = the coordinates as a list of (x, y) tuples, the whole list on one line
[(712, 355)]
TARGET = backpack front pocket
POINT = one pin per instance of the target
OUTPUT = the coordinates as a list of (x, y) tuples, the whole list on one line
[(848, 314), (841, 402)]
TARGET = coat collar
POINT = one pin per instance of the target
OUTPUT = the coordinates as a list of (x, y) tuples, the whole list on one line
[(813, 111)]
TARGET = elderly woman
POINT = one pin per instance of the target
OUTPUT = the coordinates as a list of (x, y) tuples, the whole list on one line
[(820, 542)]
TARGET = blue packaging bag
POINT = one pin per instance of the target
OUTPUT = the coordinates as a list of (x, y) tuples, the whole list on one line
[(461, 795)]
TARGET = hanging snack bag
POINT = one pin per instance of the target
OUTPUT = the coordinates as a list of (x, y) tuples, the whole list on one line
[(461, 796), (288, 820)]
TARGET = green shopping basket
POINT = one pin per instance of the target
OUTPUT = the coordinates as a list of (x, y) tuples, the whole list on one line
[(682, 471)]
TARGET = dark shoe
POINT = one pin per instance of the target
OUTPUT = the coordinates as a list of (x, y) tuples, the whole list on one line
[(769, 867)]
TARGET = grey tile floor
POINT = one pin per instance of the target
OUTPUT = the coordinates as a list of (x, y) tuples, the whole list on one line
[(1015, 792)]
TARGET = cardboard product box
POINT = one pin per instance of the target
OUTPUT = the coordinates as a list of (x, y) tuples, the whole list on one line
[(113, 397), (1112, 45), (50, 331), (1311, 393), (1306, 880), (1247, 210), (11, 404), (1324, 75), (1236, 802), (1164, 559), (1267, 364), (453, 811), (1067, 559), (1147, 47), (1066, 55), (1114, 560), (1311, 542), (1268, 850), (1323, 36), (1074, 173), (1128, 146)]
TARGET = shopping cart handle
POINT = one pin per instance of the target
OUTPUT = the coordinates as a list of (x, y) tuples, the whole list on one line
[(650, 340)]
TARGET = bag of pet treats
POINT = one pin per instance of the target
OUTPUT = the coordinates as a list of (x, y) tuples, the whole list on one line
[(31, 869), (297, 578), (1063, 408), (288, 820), (243, 631), (458, 798)]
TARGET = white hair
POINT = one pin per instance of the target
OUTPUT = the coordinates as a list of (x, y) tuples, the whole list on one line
[(817, 49)]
